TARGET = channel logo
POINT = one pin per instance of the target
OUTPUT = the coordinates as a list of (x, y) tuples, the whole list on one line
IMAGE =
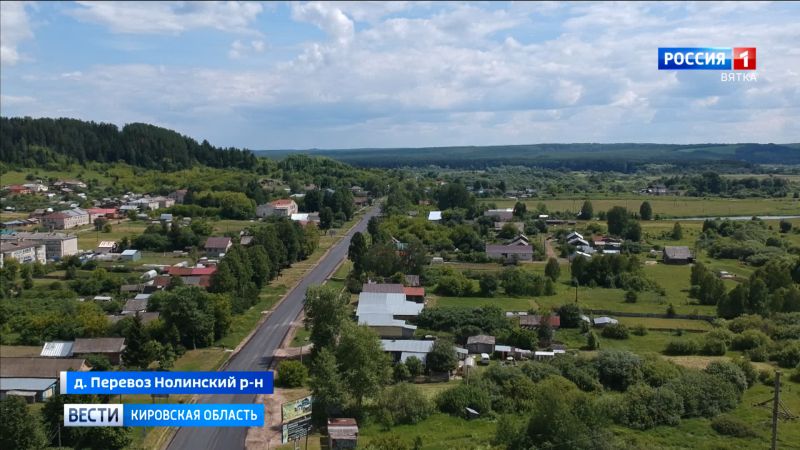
[(706, 58)]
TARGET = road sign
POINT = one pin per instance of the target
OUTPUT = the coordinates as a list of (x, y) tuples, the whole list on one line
[(296, 409), (296, 430)]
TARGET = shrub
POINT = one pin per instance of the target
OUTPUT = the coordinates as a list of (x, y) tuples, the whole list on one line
[(721, 334), (616, 331), (703, 395), (631, 297), (713, 347), (750, 372), (681, 347), (732, 426), (758, 354), (405, 404), (750, 339), (645, 407), (618, 369), (788, 356), (729, 372), (639, 330), (453, 401), (292, 374), (581, 371), (414, 366), (442, 357), (795, 376), (745, 322), (570, 315), (401, 372), (538, 371), (766, 377), (658, 371)]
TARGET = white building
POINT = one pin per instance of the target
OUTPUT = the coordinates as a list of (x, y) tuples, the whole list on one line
[(22, 252), (57, 245)]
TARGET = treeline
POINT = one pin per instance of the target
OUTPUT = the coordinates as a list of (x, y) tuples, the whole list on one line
[(28, 142), (711, 183)]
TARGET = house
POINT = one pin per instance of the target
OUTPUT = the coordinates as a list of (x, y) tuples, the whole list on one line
[(17, 189), (125, 209), (130, 255), (402, 349), (36, 187), (604, 321), (109, 347), (64, 220), (107, 213), (500, 215), (342, 434), (217, 246), (509, 252), (283, 207), (34, 379), (414, 294), (480, 344), (305, 218), (360, 201), (386, 313), (23, 252), (435, 216), (573, 235), (105, 247), (384, 288), (146, 203), (655, 189), (134, 306), (413, 280), (74, 184), (165, 202), (197, 271), (606, 243), (178, 195), (166, 218), (678, 255), (386, 326), (533, 321), (56, 349)]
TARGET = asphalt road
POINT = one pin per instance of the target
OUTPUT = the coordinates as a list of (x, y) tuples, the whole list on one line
[(257, 353)]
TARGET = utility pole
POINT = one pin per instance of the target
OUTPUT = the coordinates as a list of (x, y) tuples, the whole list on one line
[(775, 402)]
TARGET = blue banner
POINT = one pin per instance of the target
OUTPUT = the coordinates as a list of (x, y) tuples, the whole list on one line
[(115, 383), (130, 415), (695, 58)]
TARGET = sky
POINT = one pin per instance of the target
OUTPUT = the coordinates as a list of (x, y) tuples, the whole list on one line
[(402, 74)]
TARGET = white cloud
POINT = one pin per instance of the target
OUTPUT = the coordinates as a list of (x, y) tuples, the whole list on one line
[(240, 49), (14, 28), (328, 17), (169, 17)]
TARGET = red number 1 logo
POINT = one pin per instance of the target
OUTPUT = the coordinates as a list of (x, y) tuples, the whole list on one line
[(744, 58)]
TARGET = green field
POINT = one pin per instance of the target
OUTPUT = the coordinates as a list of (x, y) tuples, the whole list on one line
[(669, 206)]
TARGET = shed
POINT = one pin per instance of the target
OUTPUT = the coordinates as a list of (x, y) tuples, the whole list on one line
[(130, 255), (31, 389), (605, 321), (109, 347), (678, 255), (57, 349), (533, 321), (480, 344), (134, 306), (342, 433)]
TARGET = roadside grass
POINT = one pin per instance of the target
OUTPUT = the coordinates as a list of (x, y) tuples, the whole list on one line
[(439, 431), (210, 358), (667, 206), (301, 337), (506, 303)]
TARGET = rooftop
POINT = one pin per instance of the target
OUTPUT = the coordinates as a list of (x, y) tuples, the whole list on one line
[(678, 252), (414, 346), (56, 349), (98, 345), (384, 288), (217, 242), (481, 339), (38, 367)]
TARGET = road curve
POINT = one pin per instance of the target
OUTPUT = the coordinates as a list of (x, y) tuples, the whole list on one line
[(257, 353)]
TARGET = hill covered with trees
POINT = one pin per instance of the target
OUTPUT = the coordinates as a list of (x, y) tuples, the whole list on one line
[(617, 157), (28, 142)]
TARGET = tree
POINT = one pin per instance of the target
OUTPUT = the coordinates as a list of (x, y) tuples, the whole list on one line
[(374, 229), (785, 226), (260, 263), (508, 231), (520, 209), (19, 428), (325, 218), (405, 404), (327, 385), (137, 354), (646, 211), (587, 211), (442, 357), (634, 231), (414, 366), (592, 342), (488, 284), (553, 269), (382, 259), (644, 407), (363, 364), (357, 251), (191, 311), (570, 315), (325, 314), (292, 374), (677, 232), (617, 219), (454, 195)]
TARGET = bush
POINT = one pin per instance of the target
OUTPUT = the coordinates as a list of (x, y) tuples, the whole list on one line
[(658, 371), (766, 377), (750, 339), (713, 347), (758, 354), (645, 407), (703, 395), (538, 371), (405, 404), (721, 334), (454, 401), (616, 331), (292, 374), (681, 347), (618, 369), (732, 426), (639, 330), (631, 297), (401, 372), (788, 356), (570, 315), (729, 372), (414, 366)]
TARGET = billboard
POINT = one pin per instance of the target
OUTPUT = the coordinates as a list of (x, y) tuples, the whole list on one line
[(296, 430), (296, 409)]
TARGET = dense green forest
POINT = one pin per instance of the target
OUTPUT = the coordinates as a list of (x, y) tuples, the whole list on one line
[(27, 142), (600, 157)]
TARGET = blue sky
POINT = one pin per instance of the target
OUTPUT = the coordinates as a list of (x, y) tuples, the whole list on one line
[(390, 74)]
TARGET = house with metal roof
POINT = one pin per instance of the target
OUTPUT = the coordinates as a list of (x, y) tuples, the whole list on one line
[(57, 349), (217, 245), (400, 350), (110, 347), (386, 313), (677, 255)]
